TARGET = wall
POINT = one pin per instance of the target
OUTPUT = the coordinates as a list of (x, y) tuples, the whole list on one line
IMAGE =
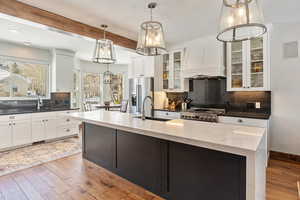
[(8, 49), (86, 66), (285, 82)]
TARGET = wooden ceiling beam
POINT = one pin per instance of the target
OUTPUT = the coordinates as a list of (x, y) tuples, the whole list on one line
[(37, 15)]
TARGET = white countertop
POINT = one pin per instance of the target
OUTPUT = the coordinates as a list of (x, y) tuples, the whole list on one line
[(204, 134)]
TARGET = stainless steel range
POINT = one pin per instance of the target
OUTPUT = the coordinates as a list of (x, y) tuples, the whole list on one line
[(203, 114)]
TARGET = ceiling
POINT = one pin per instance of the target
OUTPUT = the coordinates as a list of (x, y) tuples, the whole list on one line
[(182, 19), (22, 31)]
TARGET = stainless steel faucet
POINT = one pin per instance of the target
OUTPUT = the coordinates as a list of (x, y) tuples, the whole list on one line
[(144, 101), (39, 103)]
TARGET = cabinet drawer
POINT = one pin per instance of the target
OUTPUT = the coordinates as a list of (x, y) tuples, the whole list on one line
[(15, 117), (62, 114), (67, 130), (45, 115), (65, 120), (167, 115), (244, 121)]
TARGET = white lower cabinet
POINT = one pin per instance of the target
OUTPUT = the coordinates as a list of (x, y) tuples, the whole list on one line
[(38, 131), (21, 132), (5, 134), (22, 129), (50, 129)]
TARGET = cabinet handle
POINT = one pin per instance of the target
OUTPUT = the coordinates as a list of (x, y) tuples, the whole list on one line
[(68, 120), (12, 117), (14, 124), (240, 120), (9, 124)]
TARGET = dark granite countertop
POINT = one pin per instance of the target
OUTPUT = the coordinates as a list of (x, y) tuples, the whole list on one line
[(14, 111), (253, 115)]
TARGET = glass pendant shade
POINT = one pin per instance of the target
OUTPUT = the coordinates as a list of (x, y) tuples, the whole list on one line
[(104, 52), (151, 40), (240, 20), (107, 76)]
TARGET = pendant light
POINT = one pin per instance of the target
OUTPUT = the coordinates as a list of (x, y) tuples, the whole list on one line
[(151, 40), (104, 50), (107, 76), (240, 20)]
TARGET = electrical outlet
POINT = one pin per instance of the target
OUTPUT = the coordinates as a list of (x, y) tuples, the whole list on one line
[(257, 105)]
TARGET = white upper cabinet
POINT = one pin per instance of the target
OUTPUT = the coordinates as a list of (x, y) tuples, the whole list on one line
[(171, 69), (248, 65), (141, 66)]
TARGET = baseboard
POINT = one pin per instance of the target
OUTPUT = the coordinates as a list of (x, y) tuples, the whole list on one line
[(284, 156)]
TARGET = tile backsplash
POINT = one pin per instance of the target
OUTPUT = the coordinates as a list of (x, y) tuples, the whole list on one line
[(246, 101)]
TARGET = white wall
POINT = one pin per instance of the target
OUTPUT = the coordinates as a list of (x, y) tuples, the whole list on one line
[(86, 66), (285, 86), (8, 49)]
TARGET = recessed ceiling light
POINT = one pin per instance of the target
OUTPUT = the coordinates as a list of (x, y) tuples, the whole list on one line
[(27, 43), (13, 30)]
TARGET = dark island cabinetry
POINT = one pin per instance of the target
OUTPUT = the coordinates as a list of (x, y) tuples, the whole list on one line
[(99, 145), (199, 173), (172, 170), (140, 160)]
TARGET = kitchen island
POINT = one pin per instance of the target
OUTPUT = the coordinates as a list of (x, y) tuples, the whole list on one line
[(178, 159)]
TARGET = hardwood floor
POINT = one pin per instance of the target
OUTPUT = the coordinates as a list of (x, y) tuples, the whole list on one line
[(73, 178)]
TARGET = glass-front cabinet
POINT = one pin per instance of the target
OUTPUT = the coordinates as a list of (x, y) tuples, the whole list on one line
[(247, 65), (172, 64), (166, 70)]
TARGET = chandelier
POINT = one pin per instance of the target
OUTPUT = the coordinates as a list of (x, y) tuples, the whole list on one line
[(104, 52), (107, 76), (240, 20), (151, 40)]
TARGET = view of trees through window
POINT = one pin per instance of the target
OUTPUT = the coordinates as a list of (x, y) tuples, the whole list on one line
[(91, 87), (20, 79)]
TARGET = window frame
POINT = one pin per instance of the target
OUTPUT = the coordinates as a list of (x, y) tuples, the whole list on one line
[(31, 61)]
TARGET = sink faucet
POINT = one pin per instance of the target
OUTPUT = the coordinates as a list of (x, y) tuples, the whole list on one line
[(39, 103), (144, 101)]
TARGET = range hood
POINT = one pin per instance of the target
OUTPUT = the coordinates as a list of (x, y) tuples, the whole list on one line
[(204, 72), (204, 57)]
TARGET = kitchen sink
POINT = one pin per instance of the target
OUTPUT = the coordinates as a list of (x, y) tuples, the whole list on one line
[(153, 118)]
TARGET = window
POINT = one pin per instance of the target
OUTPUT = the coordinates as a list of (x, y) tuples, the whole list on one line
[(23, 79), (91, 88)]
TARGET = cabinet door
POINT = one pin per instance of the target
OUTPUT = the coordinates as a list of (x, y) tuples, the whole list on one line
[(257, 67), (236, 62), (198, 173), (149, 64), (50, 129), (139, 159), (21, 132), (138, 66), (100, 145), (177, 69), (38, 130), (5, 135), (166, 71)]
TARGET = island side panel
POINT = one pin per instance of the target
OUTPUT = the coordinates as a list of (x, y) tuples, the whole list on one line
[(199, 173), (140, 160), (100, 145)]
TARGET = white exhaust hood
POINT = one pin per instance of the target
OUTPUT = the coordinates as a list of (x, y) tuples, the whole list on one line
[(203, 56)]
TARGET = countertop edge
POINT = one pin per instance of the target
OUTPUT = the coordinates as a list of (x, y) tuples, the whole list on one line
[(184, 140)]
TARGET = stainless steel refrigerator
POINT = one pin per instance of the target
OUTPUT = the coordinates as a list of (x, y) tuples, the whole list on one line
[(139, 88)]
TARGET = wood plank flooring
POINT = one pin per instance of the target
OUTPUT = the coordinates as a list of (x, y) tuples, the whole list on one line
[(73, 178)]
